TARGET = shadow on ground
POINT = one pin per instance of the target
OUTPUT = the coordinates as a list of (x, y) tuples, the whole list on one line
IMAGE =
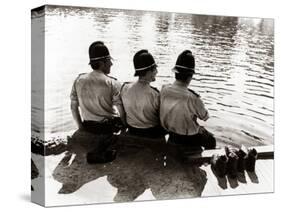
[(134, 171)]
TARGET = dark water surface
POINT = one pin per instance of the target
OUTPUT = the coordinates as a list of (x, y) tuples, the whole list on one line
[(234, 64)]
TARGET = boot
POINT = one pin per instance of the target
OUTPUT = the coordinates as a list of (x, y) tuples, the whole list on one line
[(232, 162), (219, 164), (241, 160), (251, 158)]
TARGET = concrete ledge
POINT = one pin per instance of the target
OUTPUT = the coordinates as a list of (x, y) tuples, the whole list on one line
[(264, 152)]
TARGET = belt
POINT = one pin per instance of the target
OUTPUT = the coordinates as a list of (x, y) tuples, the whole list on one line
[(152, 132), (179, 139), (96, 127), (106, 126)]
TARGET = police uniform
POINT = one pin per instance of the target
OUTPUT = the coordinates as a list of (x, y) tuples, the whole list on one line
[(141, 104), (180, 107), (96, 93)]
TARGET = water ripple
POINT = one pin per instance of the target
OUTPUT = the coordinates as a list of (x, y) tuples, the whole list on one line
[(234, 63)]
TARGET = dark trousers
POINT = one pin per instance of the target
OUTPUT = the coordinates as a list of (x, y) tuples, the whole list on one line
[(153, 132), (202, 139), (100, 128), (106, 127), (107, 140), (96, 139)]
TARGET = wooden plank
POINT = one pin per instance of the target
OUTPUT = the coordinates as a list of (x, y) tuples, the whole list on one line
[(255, 182), (264, 152)]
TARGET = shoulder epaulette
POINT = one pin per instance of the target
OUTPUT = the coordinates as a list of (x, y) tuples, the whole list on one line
[(122, 86), (79, 75), (155, 89), (112, 77), (192, 91)]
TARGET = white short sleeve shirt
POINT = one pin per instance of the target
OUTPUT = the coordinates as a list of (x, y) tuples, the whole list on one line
[(96, 94), (141, 104), (179, 109)]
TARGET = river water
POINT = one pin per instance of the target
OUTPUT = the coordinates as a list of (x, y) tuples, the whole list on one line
[(234, 64)]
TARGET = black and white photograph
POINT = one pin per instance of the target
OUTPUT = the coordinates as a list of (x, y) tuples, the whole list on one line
[(135, 105)]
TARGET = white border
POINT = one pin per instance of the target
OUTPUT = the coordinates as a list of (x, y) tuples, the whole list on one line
[(15, 102)]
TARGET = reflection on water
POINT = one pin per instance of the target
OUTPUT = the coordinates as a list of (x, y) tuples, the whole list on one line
[(133, 174), (234, 63)]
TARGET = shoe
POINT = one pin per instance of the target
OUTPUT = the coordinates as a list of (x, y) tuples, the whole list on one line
[(250, 160), (219, 164), (232, 163), (241, 160)]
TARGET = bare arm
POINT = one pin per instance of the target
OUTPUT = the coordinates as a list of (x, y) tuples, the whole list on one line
[(74, 106), (76, 114), (117, 101), (122, 113), (201, 110)]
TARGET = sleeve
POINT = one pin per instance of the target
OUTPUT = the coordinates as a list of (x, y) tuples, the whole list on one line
[(201, 111), (116, 97), (73, 94)]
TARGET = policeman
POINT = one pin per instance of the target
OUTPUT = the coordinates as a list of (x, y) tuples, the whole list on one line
[(180, 107), (95, 97), (140, 100)]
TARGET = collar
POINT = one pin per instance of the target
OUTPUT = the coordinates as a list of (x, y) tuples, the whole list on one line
[(98, 72), (180, 84), (142, 81)]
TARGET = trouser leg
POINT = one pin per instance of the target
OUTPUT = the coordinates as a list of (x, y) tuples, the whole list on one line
[(202, 139), (103, 152), (105, 143), (207, 139)]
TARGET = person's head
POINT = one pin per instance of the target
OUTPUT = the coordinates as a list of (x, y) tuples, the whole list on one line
[(100, 58), (185, 65), (145, 67)]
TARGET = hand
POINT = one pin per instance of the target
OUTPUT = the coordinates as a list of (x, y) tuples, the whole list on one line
[(80, 126), (201, 130), (124, 130)]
